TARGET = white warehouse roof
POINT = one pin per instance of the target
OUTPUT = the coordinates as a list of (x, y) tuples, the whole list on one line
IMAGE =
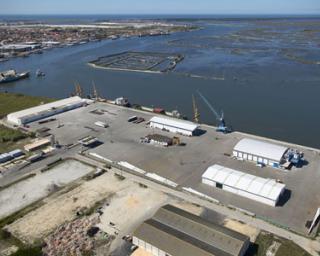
[(267, 188), (45, 107), (181, 124), (261, 148)]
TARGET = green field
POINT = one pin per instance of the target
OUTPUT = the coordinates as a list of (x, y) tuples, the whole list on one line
[(287, 248), (11, 102), (10, 139)]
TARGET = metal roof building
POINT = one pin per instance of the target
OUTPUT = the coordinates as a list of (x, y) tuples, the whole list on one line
[(266, 191), (173, 231), (173, 125), (259, 151), (45, 110)]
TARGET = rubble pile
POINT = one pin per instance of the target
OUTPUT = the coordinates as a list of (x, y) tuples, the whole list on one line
[(73, 238)]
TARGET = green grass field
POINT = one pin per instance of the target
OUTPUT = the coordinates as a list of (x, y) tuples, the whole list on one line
[(11, 102), (287, 248)]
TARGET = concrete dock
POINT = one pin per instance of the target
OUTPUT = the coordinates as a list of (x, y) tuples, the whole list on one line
[(184, 165)]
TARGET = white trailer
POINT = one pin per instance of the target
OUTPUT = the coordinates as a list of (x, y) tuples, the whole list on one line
[(101, 124)]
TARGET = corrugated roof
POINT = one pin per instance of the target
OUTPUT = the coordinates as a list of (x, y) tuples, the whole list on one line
[(45, 107), (267, 188), (181, 124), (261, 148), (181, 233)]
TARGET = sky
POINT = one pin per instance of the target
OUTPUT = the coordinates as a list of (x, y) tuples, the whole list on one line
[(160, 7)]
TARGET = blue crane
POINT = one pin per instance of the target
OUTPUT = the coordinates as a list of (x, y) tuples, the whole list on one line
[(222, 127)]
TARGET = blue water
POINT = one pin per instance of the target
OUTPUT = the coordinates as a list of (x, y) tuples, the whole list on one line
[(263, 93)]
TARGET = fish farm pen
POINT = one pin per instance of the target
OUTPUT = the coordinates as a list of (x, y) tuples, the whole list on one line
[(139, 61)]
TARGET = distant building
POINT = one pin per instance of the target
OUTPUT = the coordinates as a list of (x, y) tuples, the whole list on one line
[(175, 232), (36, 113), (266, 191), (174, 125), (18, 47)]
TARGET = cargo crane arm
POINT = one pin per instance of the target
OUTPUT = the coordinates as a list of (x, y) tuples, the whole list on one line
[(222, 124), (209, 106)]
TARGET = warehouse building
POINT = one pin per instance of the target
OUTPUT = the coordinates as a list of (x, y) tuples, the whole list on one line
[(5, 157), (266, 191), (260, 152), (175, 232), (159, 139), (36, 113), (38, 144), (173, 125)]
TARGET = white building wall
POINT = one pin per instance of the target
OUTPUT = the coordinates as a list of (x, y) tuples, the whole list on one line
[(252, 158), (35, 113), (242, 193), (170, 128), (208, 182), (148, 247)]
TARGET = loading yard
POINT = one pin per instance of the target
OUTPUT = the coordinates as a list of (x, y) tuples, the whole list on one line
[(185, 165)]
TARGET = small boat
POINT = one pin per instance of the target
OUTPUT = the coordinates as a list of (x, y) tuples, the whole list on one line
[(12, 75), (40, 73)]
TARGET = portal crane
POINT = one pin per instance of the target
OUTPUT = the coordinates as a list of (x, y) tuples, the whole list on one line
[(78, 89), (222, 127)]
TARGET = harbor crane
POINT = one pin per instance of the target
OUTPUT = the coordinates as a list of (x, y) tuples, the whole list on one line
[(78, 89), (196, 113), (222, 127)]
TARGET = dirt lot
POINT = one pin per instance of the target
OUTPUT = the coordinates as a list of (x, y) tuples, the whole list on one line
[(242, 228), (140, 203), (28, 191), (128, 209)]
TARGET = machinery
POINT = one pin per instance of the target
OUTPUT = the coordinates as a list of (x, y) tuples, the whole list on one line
[(78, 89), (295, 157), (222, 127)]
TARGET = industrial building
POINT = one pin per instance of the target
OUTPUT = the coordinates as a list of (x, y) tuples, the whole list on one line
[(38, 144), (5, 157), (19, 47), (174, 125), (159, 140), (266, 191), (36, 113), (260, 152), (175, 232)]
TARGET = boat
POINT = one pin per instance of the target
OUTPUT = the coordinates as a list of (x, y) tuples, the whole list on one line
[(40, 73), (11, 76)]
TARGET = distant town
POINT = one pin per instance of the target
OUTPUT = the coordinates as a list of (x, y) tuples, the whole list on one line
[(20, 39)]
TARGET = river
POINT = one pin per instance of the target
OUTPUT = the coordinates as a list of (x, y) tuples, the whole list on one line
[(263, 92)]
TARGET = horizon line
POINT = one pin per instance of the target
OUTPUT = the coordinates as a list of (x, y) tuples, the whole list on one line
[(122, 14)]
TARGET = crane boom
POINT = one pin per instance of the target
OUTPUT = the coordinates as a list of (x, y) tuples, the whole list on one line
[(209, 105), (196, 113)]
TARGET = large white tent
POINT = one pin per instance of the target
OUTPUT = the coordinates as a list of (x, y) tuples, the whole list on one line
[(173, 125), (260, 151), (266, 191), (45, 110)]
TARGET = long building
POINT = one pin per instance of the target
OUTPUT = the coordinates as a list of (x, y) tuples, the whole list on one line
[(266, 191), (174, 125), (39, 112), (260, 152), (175, 232)]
